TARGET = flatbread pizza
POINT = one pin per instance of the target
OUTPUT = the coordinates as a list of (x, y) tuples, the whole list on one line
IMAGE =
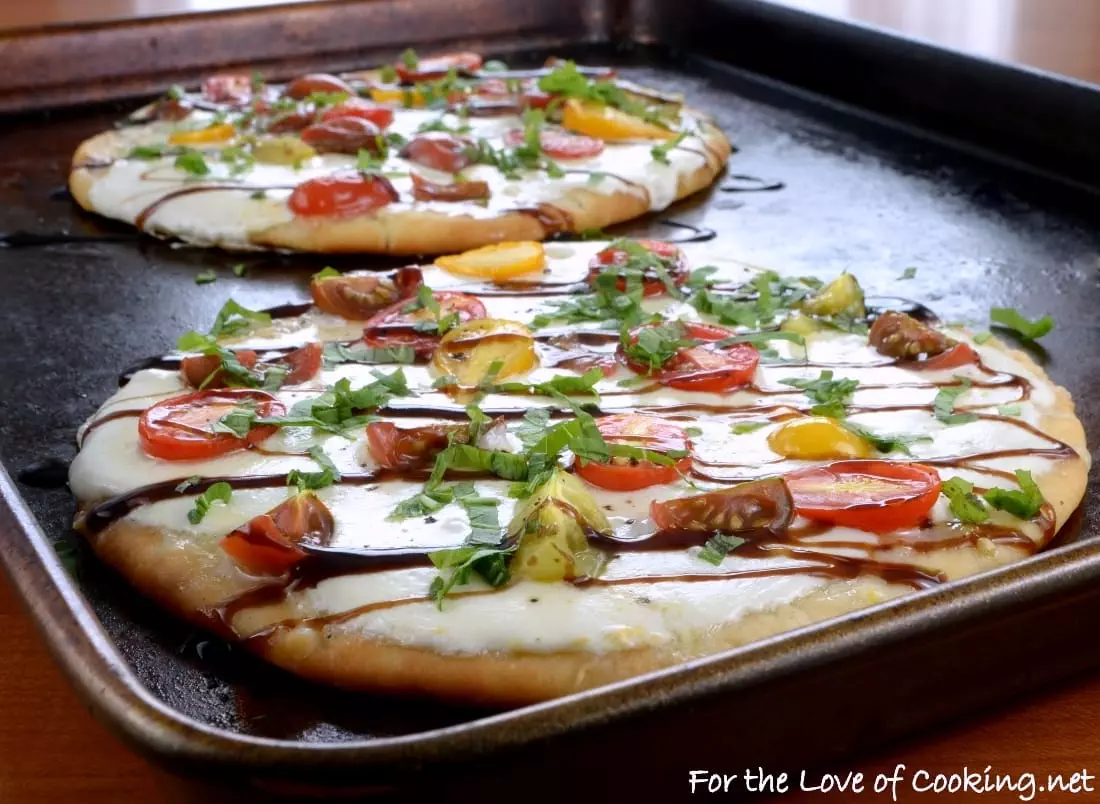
[(427, 156), (527, 470)]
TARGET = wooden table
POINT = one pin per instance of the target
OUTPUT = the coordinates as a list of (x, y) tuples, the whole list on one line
[(52, 751)]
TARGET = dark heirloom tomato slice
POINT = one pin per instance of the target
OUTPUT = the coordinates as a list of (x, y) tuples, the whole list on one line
[(961, 354), (438, 150), (343, 135), (305, 85), (437, 66), (180, 428), (342, 195), (268, 544), (672, 257), (405, 449), (758, 509), (302, 364), (877, 496), (395, 325), (706, 367), (291, 121), (424, 190), (358, 296), (227, 88), (559, 144), (637, 430), (358, 107)]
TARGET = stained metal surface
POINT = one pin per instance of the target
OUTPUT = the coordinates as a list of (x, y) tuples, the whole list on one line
[(856, 196)]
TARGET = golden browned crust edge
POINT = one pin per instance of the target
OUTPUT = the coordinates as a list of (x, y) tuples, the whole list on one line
[(414, 232)]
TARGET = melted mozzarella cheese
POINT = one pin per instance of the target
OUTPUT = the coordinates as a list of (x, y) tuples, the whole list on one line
[(529, 616)]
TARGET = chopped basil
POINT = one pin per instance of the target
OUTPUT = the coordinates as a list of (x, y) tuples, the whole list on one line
[(719, 546), (558, 384), (702, 277), (830, 396), (369, 162), (238, 421), (533, 426), (236, 319), (240, 269), (596, 177), (325, 273), (440, 124), (945, 400), (218, 492), (308, 481), (908, 273), (146, 152), (488, 563), (409, 59), (188, 483), (339, 409), (964, 504), (387, 75), (567, 80), (337, 353), (982, 337), (1024, 503), (1010, 318), (1010, 410), (193, 162), (238, 159), (693, 432), (482, 513), (894, 442), (654, 346), (206, 277), (660, 152), (740, 428)]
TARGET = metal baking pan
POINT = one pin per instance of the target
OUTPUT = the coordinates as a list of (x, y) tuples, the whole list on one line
[(870, 179)]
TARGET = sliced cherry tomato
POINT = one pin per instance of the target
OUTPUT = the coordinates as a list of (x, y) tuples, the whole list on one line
[(438, 66), (705, 367), (630, 474), (268, 544), (227, 88), (405, 449), (438, 150), (424, 190), (961, 354), (395, 325), (876, 496), (305, 85), (559, 144), (291, 121), (358, 296), (196, 369), (381, 116), (672, 258), (757, 509), (341, 195), (180, 428), (343, 135)]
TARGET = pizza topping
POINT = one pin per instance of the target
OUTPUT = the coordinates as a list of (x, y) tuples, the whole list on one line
[(411, 69), (689, 356), (899, 335), (839, 303), (559, 144), (485, 349), (876, 496), (207, 371), (287, 150), (341, 195), (752, 510), (358, 296), (609, 124), (227, 88), (220, 492), (268, 544), (961, 354), (660, 267), (344, 135), (830, 397), (439, 151), (650, 435), (1010, 318), (290, 122), (381, 116), (417, 323), (185, 428), (424, 190), (404, 449), (500, 262), (215, 132), (305, 85), (817, 438)]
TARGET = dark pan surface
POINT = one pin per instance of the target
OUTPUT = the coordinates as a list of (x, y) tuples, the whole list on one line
[(856, 195)]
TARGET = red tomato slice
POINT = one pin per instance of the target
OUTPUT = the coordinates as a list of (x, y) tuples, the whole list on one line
[(358, 107), (305, 85), (342, 195), (559, 144), (179, 429), (227, 88), (394, 326), (437, 150), (672, 257), (358, 296), (438, 66), (755, 509), (961, 354), (637, 430), (877, 496), (268, 544), (302, 364), (404, 449), (704, 367)]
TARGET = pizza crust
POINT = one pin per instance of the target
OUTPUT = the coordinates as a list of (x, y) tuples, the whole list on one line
[(193, 579), (415, 231)]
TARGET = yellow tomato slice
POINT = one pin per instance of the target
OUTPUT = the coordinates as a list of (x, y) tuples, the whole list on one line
[(408, 96), (817, 438), (471, 350), (498, 262), (219, 132), (609, 123)]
